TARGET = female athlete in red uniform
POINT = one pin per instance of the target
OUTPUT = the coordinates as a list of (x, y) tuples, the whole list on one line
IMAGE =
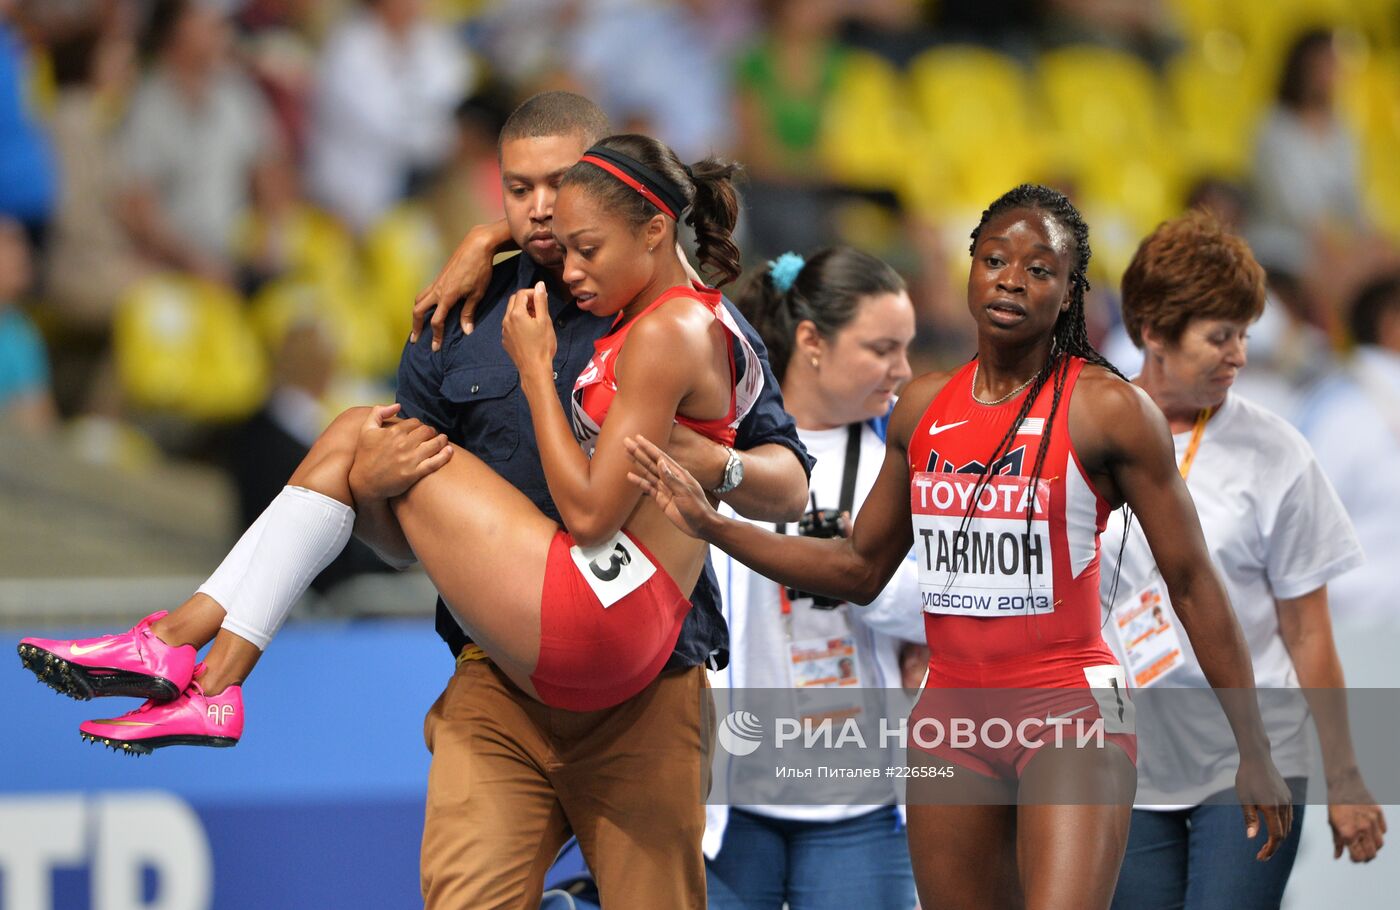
[(581, 617), (1001, 475)]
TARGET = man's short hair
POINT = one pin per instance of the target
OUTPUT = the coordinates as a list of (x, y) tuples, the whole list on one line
[(556, 114), (1190, 268)]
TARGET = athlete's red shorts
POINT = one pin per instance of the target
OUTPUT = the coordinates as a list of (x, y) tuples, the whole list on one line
[(994, 718), (593, 657)]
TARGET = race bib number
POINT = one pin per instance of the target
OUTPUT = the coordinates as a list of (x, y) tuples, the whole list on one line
[(614, 569), (989, 565), (1146, 629), (1111, 693)]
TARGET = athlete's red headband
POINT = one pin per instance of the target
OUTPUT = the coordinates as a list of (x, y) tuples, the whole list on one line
[(652, 187)]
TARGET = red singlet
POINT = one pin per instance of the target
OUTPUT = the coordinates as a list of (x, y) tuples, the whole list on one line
[(610, 615), (597, 384), (1007, 606)]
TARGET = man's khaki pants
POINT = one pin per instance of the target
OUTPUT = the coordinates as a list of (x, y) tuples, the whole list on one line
[(511, 778)]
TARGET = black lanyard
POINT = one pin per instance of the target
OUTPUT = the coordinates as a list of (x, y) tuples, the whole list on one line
[(848, 474)]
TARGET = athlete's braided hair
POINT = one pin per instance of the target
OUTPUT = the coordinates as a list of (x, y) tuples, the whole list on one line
[(1069, 339)]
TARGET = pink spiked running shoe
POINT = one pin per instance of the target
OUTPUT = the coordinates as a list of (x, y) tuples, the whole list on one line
[(192, 719), (133, 663)]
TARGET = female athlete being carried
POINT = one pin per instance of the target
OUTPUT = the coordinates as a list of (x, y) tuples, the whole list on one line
[(581, 617)]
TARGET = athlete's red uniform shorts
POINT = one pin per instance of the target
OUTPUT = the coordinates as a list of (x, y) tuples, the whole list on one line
[(1045, 698), (592, 657)]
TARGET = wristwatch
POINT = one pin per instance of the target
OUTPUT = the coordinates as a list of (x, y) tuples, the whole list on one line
[(733, 473)]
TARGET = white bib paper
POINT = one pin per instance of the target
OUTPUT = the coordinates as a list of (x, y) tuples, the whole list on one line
[(992, 567), (614, 569)]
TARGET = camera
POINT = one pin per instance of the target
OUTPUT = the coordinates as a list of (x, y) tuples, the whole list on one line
[(819, 523)]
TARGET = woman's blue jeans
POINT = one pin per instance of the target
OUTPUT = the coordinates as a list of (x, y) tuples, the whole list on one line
[(1200, 859), (860, 862)]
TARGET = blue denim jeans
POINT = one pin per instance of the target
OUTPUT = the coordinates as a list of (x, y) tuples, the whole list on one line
[(1199, 859), (860, 862)]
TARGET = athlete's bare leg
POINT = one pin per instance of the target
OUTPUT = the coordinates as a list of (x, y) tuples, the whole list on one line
[(194, 622), (1060, 849), (197, 621), (482, 542), (484, 545), (962, 835), (1072, 826)]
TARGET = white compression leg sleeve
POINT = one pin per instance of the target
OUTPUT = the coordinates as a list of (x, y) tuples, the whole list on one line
[(275, 561)]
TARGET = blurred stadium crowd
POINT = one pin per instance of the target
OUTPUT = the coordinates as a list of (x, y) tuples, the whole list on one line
[(216, 213)]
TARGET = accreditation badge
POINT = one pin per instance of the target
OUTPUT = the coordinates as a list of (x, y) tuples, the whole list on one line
[(1146, 627), (823, 663), (832, 665)]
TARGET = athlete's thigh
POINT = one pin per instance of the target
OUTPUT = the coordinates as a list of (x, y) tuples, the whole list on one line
[(1072, 826), (964, 856), (485, 546)]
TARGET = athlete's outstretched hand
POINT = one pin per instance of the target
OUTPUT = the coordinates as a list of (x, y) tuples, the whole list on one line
[(527, 332), (1262, 792), (464, 277), (391, 457), (674, 489)]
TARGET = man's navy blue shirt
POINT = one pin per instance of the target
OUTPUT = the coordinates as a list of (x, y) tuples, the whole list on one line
[(470, 390)]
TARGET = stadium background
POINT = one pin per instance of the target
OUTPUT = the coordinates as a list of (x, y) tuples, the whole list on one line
[(123, 474)]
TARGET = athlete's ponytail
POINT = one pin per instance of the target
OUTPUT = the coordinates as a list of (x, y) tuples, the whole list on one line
[(826, 290), (638, 177), (714, 210)]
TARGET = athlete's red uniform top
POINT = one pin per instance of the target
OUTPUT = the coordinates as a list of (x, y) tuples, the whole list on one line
[(610, 615), (1007, 606), (597, 384)]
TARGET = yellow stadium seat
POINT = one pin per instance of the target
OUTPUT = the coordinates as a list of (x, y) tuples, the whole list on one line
[(867, 130), (1381, 192), (1372, 100), (967, 88), (185, 347), (402, 253), (1111, 130), (1102, 97), (1216, 113), (1269, 27), (1379, 20), (975, 108), (1369, 97), (363, 343), (1200, 18), (317, 245)]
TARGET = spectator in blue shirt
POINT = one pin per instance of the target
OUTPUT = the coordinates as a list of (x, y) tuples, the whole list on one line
[(27, 174), (26, 402)]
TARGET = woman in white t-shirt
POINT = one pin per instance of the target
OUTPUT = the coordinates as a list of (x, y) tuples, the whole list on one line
[(838, 329), (1277, 534)]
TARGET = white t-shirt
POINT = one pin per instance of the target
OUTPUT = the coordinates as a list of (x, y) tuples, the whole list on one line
[(382, 108), (1275, 530), (198, 157), (760, 655), (1353, 422)]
